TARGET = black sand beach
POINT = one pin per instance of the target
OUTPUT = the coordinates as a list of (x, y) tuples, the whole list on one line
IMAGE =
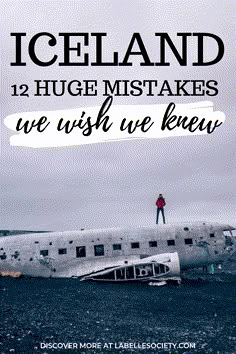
[(199, 311)]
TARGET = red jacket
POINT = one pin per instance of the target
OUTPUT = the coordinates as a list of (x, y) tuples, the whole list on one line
[(160, 203)]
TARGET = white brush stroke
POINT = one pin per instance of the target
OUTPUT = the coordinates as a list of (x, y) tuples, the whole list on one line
[(53, 138)]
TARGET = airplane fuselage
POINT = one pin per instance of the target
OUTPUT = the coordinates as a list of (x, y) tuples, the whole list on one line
[(77, 253)]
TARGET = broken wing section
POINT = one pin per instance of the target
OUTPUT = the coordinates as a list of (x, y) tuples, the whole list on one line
[(154, 268)]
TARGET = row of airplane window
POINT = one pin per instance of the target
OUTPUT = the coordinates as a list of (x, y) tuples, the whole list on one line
[(99, 249)]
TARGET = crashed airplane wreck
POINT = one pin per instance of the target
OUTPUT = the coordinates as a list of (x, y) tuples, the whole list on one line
[(156, 255)]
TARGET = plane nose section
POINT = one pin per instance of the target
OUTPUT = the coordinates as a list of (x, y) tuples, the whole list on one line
[(230, 236)]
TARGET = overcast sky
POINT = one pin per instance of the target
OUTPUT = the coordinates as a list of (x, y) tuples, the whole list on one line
[(116, 184)]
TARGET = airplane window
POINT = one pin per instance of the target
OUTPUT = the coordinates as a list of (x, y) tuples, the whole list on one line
[(212, 235), (80, 251), (231, 232), (116, 247), (62, 251), (44, 253), (71, 242), (99, 250), (152, 243), (134, 244), (36, 241), (186, 229), (188, 241), (171, 242)]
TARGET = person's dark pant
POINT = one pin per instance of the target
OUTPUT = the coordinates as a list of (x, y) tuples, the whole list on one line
[(163, 215)]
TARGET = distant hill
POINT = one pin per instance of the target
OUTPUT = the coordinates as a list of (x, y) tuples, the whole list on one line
[(19, 232)]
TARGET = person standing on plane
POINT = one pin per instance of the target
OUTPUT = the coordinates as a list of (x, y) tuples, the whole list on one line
[(160, 203)]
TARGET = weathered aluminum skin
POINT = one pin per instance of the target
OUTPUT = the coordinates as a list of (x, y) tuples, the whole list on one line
[(21, 253)]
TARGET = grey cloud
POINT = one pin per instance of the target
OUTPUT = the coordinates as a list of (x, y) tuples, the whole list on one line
[(116, 184)]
